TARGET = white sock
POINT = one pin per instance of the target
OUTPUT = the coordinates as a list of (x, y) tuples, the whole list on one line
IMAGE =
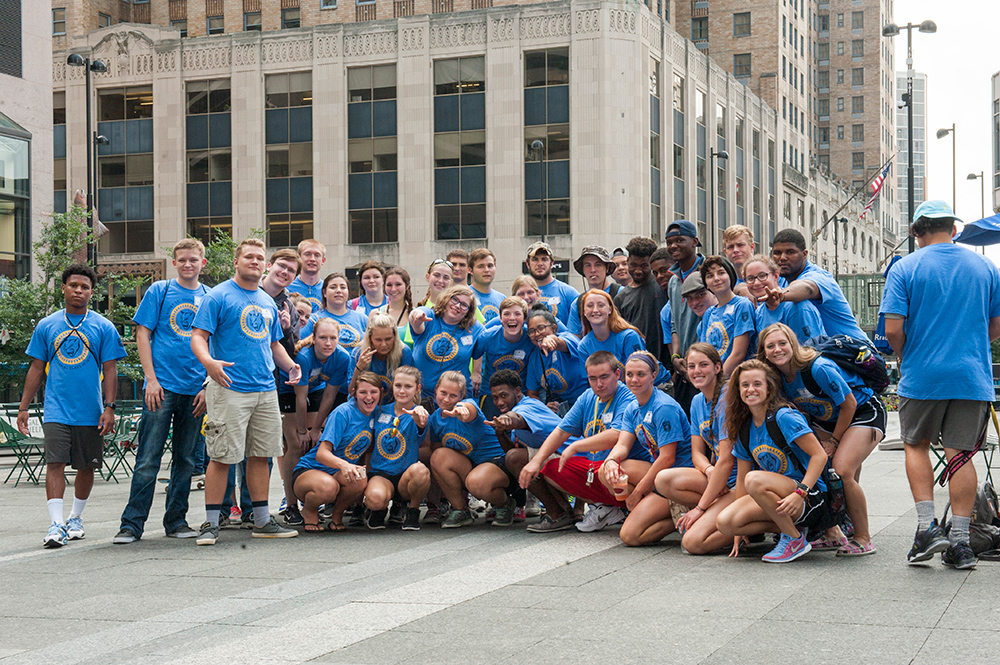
[(56, 510), (78, 506)]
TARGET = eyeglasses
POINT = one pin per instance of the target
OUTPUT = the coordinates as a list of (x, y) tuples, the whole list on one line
[(750, 279), (440, 261), (459, 305), (539, 330)]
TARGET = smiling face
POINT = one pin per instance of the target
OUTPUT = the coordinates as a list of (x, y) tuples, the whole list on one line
[(282, 272), (304, 310), (682, 248), (367, 396), (512, 320), (638, 268), (395, 288), (337, 293), (596, 310), (371, 282), (405, 389), (529, 294), (189, 263), (702, 372), (539, 328), (595, 271), (790, 259), (439, 278), (700, 301), (777, 349), (753, 387), (312, 258), (661, 272), (717, 280), (739, 249), (621, 270), (483, 272), (448, 394), (382, 340), (639, 377), (603, 380), (505, 397), (759, 279), (325, 338), (456, 308)]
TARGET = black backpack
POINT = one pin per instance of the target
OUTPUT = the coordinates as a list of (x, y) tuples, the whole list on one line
[(835, 505), (851, 355)]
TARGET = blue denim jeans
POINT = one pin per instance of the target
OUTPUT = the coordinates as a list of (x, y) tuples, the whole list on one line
[(153, 430)]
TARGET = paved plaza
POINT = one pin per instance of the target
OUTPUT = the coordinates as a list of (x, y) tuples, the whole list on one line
[(477, 595)]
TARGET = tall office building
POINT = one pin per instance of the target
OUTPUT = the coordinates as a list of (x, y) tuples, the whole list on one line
[(919, 146), (995, 130)]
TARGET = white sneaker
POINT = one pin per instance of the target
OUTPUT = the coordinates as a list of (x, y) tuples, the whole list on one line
[(74, 528), (600, 516), (532, 508)]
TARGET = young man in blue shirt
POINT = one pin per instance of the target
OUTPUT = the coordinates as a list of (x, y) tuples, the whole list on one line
[(556, 294), (237, 337), (946, 383), (312, 254), (174, 392), (75, 351), (484, 269)]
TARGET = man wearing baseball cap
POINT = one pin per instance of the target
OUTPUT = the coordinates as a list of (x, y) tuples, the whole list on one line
[(682, 243), (946, 383), (557, 295), (596, 266), (620, 274)]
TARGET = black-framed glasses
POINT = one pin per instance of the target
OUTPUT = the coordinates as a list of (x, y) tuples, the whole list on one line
[(462, 306), (750, 279), (539, 330)]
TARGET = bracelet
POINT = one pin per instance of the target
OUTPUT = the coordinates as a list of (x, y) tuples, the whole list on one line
[(676, 356), (835, 440), (801, 492), (700, 508), (358, 368), (20, 410)]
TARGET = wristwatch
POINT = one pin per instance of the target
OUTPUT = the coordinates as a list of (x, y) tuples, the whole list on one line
[(110, 405), (804, 488)]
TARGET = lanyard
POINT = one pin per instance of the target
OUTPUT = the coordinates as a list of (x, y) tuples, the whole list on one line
[(600, 420)]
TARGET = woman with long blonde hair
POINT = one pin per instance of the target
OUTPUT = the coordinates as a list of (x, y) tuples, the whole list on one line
[(381, 351), (443, 339)]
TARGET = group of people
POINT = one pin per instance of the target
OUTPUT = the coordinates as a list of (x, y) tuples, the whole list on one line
[(677, 392)]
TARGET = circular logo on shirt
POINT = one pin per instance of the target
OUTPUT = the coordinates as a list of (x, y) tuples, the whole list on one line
[(508, 362), (349, 337), (181, 318), (770, 458), (489, 311), (815, 407), (593, 427), (316, 303), (442, 347), (253, 322), (70, 348), (386, 384), (554, 381), (552, 302), (390, 444), (459, 443), (718, 337), (705, 431), (357, 446)]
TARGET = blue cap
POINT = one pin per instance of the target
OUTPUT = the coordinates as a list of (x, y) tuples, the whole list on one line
[(681, 227), (934, 210)]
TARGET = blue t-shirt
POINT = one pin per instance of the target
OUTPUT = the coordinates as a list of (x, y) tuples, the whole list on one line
[(242, 325), (312, 372), (338, 369), (75, 359), (168, 310), (802, 317), (489, 303), (476, 440), (835, 384), (559, 296), (397, 441), (948, 296), (769, 457), (498, 353), (711, 431), (560, 374), (575, 324), (666, 324), (365, 308), (352, 326), (314, 293), (621, 344), (589, 416), (722, 324), (541, 421), (838, 319), (657, 423), (350, 432), (441, 348), (381, 368)]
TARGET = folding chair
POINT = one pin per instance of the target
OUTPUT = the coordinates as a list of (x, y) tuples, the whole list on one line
[(29, 451), (121, 442)]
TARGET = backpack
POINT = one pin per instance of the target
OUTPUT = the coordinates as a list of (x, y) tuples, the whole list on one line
[(851, 355), (984, 532), (835, 504)]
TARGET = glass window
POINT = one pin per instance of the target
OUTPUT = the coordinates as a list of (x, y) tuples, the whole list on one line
[(327, 4), (699, 29), (182, 26), (103, 20), (216, 25), (741, 24), (59, 21), (857, 48), (858, 76), (252, 21), (546, 169), (857, 20), (290, 18), (857, 104), (741, 65), (372, 154), (857, 161)]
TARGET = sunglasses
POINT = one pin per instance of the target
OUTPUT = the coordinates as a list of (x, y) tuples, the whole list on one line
[(437, 262)]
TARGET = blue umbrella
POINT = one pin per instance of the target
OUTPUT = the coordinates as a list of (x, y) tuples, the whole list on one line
[(982, 232), (880, 340)]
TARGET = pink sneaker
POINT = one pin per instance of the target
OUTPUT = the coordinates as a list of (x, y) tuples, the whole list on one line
[(235, 513)]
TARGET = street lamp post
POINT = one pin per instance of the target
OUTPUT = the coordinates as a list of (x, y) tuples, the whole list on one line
[(77, 60), (836, 246), (941, 133), (892, 30), (712, 154), (982, 191), (538, 146)]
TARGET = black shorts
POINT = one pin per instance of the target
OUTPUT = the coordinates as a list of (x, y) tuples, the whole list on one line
[(870, 414), (513, 487), (286, 402), (813, 511), (80, 446), (392, 478)]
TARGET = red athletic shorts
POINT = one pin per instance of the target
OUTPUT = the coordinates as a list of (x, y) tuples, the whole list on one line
[(573, 479)]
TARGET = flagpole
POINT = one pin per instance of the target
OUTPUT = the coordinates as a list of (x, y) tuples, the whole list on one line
[(833, 217)]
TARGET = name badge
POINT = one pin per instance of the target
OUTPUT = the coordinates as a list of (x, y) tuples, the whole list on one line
[(730, 309), (314, 373), (385, 418), (197, 301), (371, 423), (553, 300), (519, 354), (648, 418), (467, 340), (606, 418)]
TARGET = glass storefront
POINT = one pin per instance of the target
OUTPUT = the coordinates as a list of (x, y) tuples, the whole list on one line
[(15, 199)]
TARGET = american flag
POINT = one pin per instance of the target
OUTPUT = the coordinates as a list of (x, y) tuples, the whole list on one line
[(876, 185)]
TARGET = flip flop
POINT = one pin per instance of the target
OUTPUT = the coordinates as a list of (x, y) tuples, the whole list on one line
[(309, 527), (336, 527)]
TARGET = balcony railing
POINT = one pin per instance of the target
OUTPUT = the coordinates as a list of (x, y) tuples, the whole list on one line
[(793, 178)]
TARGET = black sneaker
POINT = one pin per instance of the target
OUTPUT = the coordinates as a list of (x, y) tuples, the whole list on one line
[(376, 519), (928, 543), (396, 513), (292, 516), (411, 521), (356, 518), (959, 557)]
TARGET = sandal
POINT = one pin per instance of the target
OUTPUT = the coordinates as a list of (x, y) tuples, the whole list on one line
[(309, 527), (854, 548), (824, 545), (336, 528)]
